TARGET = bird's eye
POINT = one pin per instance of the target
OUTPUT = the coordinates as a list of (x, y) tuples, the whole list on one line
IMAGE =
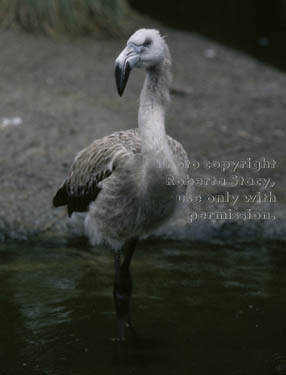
[(147, 42)]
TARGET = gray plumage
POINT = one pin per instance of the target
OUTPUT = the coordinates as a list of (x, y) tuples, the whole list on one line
[(120, 180)]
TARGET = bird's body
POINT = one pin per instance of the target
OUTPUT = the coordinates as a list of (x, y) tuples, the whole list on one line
[(120, 181), (107, 182)]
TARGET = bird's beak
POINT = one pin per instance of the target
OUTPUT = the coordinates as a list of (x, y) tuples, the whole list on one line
[(124, 63)]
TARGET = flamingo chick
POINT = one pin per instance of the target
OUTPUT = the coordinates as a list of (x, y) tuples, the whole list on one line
[(120, 181)]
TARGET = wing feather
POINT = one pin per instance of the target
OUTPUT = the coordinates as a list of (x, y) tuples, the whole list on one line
[(96, 163), (93, 165)]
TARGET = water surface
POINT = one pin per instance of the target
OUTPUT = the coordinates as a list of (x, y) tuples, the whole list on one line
[(198, 309)]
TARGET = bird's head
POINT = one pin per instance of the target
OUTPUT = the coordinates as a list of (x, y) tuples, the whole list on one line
[(144, 49)]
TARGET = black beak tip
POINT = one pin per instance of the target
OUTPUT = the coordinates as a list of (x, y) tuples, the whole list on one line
[(121, 77), (120, 91), (118, 79)]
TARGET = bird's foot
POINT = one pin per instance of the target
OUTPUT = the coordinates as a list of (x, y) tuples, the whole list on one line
[(117, 339), (130, 326), (123, 334), (131, 331)]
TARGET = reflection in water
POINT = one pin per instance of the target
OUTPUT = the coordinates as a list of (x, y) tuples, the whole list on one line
[(198, 308)]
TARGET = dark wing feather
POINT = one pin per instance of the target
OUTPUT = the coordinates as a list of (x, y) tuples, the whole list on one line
[(78, 200)]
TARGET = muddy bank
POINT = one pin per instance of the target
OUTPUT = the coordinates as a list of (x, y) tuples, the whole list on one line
[(57, 96)]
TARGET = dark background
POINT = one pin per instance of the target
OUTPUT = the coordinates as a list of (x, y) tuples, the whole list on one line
[(257, 27)]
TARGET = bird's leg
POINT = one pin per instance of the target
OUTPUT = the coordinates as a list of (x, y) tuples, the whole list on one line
[(117, 297), (129, 251), (123, 287)]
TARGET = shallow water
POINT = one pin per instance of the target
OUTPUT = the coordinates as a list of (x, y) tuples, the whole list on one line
[(198, 308)]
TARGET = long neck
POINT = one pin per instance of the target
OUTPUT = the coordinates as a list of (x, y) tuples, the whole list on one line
[(154, 100)]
